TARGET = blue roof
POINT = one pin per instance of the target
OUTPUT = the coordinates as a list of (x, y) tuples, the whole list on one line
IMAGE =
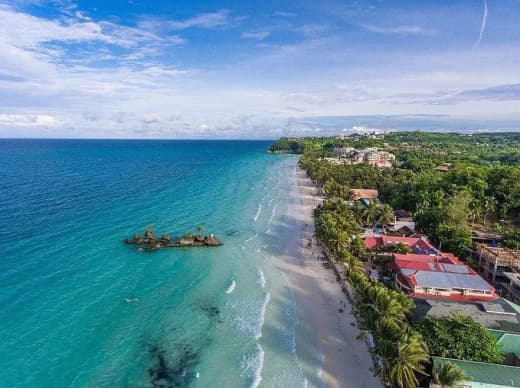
[(448, 280)]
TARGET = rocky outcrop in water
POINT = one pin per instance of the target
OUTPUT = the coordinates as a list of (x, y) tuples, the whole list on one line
[(152, 243)]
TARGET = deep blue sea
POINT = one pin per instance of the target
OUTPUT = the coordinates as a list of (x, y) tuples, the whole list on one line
[(204, 317)]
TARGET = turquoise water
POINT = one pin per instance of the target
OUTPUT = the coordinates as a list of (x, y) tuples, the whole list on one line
[(220, 317)]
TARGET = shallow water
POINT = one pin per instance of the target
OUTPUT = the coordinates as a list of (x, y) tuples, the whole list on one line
[(221, 317)]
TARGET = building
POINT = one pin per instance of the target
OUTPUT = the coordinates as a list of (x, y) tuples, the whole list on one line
[(371, 156), (360, 194), (403, 223), (403, 215), (440, 280), (509, 344), (496, 314), (445, 167), (482, 375), (513, 287), (494, 262), (440, 257), (343, 152), (417, 244)]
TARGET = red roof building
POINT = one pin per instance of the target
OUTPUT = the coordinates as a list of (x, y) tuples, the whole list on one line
[(439, 277), (417, 244), (441, 257), (357, 194)]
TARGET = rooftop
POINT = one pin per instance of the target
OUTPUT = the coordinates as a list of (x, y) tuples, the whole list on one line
[(515, 277), (503, 256), (508, 342), (497, 314), (441, 257), (432, 266), (358, 194), (446, 280), (417, 244), (494, 374), (401, 213)]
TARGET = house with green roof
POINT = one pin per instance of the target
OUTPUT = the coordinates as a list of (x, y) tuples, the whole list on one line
[(483, 375), (509, 344)]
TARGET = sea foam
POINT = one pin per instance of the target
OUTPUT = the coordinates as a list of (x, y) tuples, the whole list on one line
[(258, 212), (272, 214), (250, 315), (252, 365), (231, 287), (261, 278)]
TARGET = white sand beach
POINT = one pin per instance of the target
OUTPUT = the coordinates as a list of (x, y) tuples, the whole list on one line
[(322, 307)]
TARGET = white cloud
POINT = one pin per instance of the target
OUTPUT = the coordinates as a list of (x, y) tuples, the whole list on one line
[(221, 18), (256, 35), (27, 120), (398, 30)]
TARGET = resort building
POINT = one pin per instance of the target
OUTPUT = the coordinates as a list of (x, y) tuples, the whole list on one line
[(497, 314), (481, 374), (440, 280), (371, 156), (344, 152), (494, 262), (417, 244)]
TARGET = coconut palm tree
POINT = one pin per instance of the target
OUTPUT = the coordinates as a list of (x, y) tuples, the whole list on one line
[(448, 375), (371, 213), (409, 359), (385, 215), (200, 228), (381, 304)]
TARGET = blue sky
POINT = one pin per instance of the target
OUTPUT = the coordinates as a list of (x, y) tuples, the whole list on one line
[(262, 69)]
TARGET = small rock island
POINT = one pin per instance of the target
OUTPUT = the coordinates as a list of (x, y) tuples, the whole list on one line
[(153, 243)]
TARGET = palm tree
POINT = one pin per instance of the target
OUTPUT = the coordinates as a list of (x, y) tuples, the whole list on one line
[(409, 359), (371, 212), (448, 375), (386, 215), (381, 304), (200, 228)]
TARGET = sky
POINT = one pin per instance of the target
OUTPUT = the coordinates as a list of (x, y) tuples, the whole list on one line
[(256, 69)]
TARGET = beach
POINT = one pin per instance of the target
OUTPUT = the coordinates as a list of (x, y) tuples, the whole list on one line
[(321, 305)]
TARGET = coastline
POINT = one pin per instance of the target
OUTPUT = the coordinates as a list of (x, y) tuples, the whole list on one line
[(322, 307)]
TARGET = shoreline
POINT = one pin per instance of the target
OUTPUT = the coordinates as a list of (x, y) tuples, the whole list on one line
[(322, 307)]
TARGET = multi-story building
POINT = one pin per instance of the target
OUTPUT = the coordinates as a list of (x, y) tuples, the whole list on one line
[(494, 262)]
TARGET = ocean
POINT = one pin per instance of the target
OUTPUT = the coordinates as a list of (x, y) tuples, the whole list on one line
[(204, 317)]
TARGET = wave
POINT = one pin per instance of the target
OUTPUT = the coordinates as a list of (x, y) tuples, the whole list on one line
[(251, 238), (231, 287), (250, 315), (252, 365), (272, 214), (261, 278), (258, 212), (262, 316)]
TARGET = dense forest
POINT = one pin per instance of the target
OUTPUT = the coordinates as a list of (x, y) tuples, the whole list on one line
[(480, 190)]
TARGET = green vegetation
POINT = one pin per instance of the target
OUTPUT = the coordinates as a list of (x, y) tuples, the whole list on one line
[(384, 313), (482, 186), (449, 375), (479, 186), (459, 337), (381, 311)]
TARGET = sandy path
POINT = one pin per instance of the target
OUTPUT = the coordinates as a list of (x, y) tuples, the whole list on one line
[(319, 298)]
